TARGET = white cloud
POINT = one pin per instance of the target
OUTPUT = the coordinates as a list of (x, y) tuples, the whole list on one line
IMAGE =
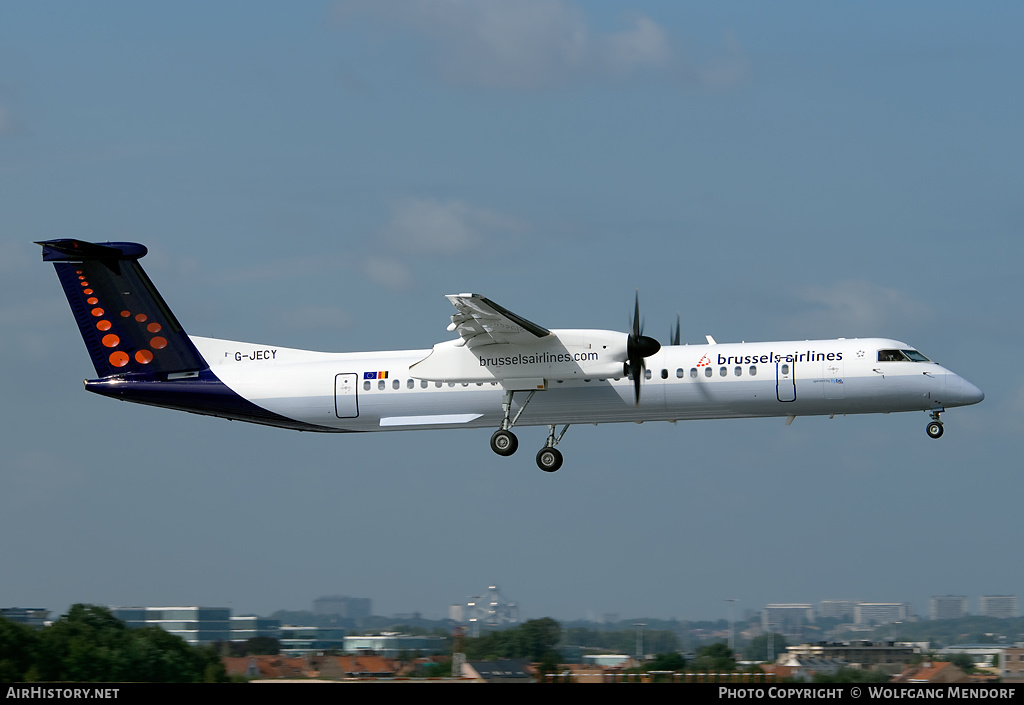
[(519, 44), (858, 307), (728, 69), (387, 272), (645, 44), (426, 226)]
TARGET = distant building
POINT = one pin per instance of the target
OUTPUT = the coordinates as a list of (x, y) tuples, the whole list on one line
[(1001, 606), (875, 655), (932, 672), (805, 667), (296, 640), (250, 626), (196, 625), (347, 607), (983, 655), (266, 667), (361, 666), (490, 609), (789, 620), (503, 671), (391, 644), (947, 607), (1011, 665), (31, 616), (837, 609), (872, 614)]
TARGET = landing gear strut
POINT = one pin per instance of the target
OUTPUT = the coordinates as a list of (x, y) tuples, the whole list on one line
[(503, 441), (934, 427), (549, 458)]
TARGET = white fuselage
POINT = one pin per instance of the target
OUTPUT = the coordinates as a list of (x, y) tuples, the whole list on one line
[(379, 391)]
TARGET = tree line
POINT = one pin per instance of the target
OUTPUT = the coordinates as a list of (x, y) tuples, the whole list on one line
[(89, 644)]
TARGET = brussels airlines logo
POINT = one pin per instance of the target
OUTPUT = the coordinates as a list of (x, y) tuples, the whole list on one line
[(542, 358), (808, 356)]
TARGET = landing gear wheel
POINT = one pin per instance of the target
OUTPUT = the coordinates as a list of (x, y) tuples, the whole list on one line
[(504, 443), (549, 459), (934, 429)]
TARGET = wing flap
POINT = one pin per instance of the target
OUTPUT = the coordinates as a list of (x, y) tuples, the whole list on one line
[(480, 321)]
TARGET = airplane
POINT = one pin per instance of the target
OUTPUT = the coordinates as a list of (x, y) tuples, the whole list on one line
[(502, 371)]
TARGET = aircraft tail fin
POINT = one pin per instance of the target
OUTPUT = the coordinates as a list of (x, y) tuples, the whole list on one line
[(125, 323)]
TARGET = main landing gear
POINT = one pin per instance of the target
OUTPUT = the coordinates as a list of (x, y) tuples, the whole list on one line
[(934, 427), (505, 443)]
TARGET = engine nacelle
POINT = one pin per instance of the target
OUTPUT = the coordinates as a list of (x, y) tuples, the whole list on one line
[(564, 354)]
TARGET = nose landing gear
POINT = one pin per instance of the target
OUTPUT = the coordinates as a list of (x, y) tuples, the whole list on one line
[(934, 427)]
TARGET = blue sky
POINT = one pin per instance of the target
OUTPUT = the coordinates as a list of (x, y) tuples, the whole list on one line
[(320, 174)]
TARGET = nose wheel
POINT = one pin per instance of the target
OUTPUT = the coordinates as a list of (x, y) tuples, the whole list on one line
[(934, 427)]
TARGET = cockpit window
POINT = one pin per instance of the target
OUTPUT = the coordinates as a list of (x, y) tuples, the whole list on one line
[(901, 356)]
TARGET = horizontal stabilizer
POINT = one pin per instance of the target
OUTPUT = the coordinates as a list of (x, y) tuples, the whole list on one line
[(79, 250)]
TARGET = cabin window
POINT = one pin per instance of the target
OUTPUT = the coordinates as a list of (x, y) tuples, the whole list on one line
[(738, 371), (366, 385), (411, 384), (753, 371), (693, 371), (664, 374), (396, 384), (679, 373), (785, 369), (380, 385), (647, 374), (707, 372), (437, 384), (423, 384), (723, 371)]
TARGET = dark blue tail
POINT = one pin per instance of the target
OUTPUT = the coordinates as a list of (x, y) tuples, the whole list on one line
[(124, 321)]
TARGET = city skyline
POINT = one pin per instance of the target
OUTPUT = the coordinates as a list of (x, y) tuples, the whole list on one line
[(815, 610)]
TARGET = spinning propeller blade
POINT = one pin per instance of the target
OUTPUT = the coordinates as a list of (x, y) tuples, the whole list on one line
[(638, 347)]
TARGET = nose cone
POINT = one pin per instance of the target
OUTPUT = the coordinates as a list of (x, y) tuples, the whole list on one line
[(971, 394)]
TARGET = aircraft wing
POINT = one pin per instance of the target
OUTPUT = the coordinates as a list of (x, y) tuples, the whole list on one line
[(480, 321)]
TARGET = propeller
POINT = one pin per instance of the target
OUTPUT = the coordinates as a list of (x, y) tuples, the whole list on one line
[(638, 347)]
